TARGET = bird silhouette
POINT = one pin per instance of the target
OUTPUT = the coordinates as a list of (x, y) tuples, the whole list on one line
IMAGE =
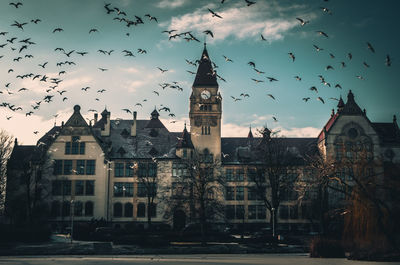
[(162, 70), (93, 30), (57, 30), (209, 32), (321, 99), (291, 55), (302, 21), (249, 3), (214, 14), (369, 46), (16, 5)]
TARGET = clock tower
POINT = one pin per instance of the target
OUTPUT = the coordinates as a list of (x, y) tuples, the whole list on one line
[(206, 109)]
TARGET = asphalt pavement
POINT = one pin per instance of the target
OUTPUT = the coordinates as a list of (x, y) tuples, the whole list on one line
[(236, 259)]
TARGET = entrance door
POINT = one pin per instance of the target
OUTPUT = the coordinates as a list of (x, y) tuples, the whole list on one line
[(179, 220)]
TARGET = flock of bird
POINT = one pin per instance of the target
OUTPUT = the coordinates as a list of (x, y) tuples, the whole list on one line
[(21, 48)]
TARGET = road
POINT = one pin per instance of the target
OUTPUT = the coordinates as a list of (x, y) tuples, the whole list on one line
[(245, 259)]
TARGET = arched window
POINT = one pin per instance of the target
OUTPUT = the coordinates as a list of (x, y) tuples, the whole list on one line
[(78, 208), (66, 206), (117, 209), (141, 210), (128, 209), (89, 208), (55, 209)]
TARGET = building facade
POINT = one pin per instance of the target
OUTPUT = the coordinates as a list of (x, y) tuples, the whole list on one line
[(123, 171)]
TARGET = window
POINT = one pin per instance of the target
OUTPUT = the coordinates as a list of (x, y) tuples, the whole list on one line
[(75, 145), (179, 170), (90, 167), (129, 169), (128, 209), (79, 187), (229, 174), (252, 193), (65, 211), (55, 209), (119, 169), (147, 170), (205, 130), (141, 190), (123, 189), (89, 208), (66, 187), (82, 148), (261, 212), (240, 193), (230, 211), (118, 191), (239, 211), (80, 167), (252, 212), (58, 165), (89, 187), (67, 167), (56, 187), (141, 210), (78, 208), (68, 148), (117, 209), (229, 194), (128, 189), (239, 174)]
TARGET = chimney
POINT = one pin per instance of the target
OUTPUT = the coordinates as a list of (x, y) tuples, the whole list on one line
[(134, 124), (16, 142), (95, 117), (105, 115)]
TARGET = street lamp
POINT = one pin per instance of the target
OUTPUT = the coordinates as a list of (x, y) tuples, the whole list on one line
[(273, 222), (72, 219)]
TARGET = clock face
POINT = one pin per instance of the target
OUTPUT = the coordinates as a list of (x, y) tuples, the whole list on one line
[(205, 94)]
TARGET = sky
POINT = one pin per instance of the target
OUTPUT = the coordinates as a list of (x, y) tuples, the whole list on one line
[(134, 82)]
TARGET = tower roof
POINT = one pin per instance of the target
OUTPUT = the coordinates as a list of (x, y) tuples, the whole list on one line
[(206, 76), (351, 107), (250, 135), (185, 141)]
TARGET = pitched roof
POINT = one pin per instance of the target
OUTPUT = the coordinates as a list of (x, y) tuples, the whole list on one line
[(76, 120), (20, 155), (185, 140), (236, 150), (205, 76), (149, 141), (388, 132)]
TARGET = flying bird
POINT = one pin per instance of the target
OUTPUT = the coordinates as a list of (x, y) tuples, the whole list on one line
[(388, 62), (291, 55), (298, 78), (227, 59), (306, 99), (103, 69), (318, 48), (209, 32), (322, 33), (369, 46), (321, 99), (214, 14), (252, 64), (313, 88), (271, 96), (93, 30), (262, 38), (162, 70), (302, 21), (57, 30), (271, 79), (249, 3), (16, 5)]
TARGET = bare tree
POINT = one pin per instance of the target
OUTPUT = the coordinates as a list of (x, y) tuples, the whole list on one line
[(352, 184), (6, 142), (199, 189), (273, 180), (147, 177)]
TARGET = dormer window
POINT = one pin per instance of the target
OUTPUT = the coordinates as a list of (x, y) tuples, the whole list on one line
[(75, 147)]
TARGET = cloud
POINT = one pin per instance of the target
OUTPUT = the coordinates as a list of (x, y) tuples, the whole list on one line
[(299, 132), (242, 22), (171, 3)]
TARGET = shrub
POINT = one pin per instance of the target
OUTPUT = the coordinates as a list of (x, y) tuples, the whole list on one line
[(321, 247)]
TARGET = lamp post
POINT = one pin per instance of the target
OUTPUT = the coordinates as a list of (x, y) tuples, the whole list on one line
[(273, 222), (72, 219)]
